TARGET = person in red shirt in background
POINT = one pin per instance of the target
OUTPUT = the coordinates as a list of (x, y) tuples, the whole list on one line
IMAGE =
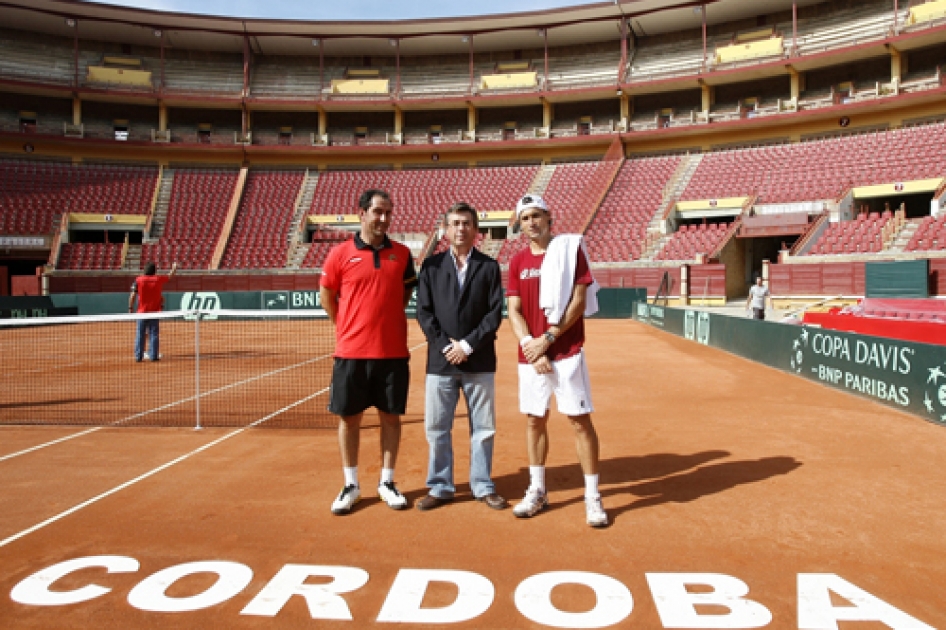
[(149, 291), (366, 283)]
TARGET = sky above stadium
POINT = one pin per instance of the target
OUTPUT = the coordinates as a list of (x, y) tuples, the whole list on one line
[(347, 10)]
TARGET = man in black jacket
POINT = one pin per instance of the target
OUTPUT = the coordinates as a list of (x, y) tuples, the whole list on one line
[(460, 308)]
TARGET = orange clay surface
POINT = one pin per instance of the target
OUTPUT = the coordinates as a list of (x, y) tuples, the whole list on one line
[(709, 464)]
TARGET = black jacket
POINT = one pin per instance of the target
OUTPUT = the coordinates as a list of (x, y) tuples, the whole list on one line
[(473, 314)]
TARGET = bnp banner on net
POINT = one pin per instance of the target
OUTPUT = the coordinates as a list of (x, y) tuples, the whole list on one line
[(905, 375)]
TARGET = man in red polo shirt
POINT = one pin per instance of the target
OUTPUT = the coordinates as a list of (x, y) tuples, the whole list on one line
[(148, 289), (366, 283)]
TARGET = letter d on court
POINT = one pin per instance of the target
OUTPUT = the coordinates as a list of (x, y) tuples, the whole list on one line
[(403, 602)]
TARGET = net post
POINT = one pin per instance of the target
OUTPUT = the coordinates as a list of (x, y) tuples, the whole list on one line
[(197, 427)]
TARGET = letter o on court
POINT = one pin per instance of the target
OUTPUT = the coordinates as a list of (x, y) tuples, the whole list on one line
[(34, 590), (150, 593), (533, 599)]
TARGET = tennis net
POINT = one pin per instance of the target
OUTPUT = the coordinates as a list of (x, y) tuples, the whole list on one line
[(216, 368)]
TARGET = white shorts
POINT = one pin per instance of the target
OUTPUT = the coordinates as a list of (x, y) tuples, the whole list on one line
[(568, 381)]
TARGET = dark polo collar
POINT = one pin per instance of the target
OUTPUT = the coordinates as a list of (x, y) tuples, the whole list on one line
[(360, 244), (385, 244)]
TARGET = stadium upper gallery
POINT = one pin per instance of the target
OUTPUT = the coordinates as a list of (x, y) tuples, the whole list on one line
[(699, 143)]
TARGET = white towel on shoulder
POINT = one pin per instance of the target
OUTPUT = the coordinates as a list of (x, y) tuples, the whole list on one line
[(558, 277)]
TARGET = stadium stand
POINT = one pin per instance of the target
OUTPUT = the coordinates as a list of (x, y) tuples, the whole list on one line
[(260, 235), (619, 230), (930, 235), (658, 58), (88, 256), (421, 196), (584, 70), (284, 77), (198, 207), (34, 195), (500, 95), (323, 240), (422, 80), (566, 186), (693, 239), (821, 169), (195, 71), (24, 57), (859, 23), (862, 235)]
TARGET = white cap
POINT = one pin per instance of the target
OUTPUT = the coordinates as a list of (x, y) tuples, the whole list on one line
[(530, 201)]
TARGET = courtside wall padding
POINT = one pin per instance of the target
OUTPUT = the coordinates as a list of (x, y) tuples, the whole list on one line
[(106, 303), (905, 375), (618, 303), (897, 279)]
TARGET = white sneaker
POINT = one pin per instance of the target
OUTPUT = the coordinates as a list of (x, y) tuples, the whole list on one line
[(534, 501), (346, 500), (594, 512), (391, 495)]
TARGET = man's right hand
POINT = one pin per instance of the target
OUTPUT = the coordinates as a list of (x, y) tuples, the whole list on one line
[(455, 354)]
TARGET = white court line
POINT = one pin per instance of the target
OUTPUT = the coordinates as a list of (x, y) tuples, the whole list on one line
[(220, 389), (150, 473), (167, 406), (39, 446)]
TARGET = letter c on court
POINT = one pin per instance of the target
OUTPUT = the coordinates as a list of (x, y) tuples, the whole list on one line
[(34, 590)]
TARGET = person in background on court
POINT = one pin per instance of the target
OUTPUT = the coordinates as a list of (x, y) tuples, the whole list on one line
[(366, 284), (460, 308), (758, 294), (551, 291), (149, 290)]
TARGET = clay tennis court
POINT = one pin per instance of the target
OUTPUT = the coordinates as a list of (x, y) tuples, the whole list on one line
[(711, 465)]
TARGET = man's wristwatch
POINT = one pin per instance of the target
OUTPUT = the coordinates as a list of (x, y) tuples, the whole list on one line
[(549, 336)]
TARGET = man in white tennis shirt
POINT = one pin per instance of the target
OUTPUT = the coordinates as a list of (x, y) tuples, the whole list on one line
[(758, 294), (548, 320)]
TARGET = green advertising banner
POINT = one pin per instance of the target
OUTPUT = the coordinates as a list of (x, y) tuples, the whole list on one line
[(908, 376), (613, 303), (897, 279)]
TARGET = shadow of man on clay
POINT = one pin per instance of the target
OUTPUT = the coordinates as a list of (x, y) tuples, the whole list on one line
[(662, 477), (618, 470), (706, 480)]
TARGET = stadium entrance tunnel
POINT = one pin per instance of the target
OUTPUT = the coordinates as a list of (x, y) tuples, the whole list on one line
[(917, 205), (681, 599), (762, 248)]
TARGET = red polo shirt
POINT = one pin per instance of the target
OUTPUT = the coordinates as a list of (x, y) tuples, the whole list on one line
[(370, 323), (149, 290)]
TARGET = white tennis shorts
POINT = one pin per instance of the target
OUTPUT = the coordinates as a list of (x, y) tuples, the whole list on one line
[(568, 381)]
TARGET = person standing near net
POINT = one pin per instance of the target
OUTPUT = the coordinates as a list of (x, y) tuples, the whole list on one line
[(460, 308), (550, 291), (149, 291), (758, 294), (366, 284)]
